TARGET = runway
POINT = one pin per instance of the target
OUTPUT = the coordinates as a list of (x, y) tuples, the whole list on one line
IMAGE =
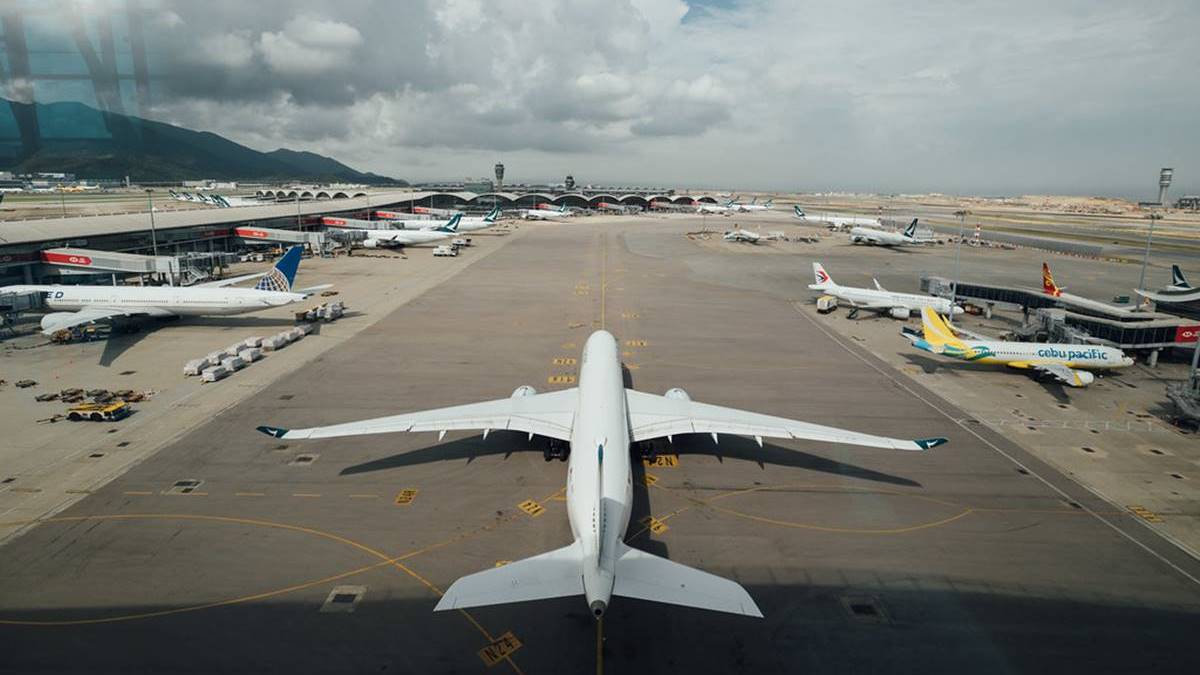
[(232, 551)]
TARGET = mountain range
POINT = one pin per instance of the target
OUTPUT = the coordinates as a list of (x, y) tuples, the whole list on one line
[(76, 138)]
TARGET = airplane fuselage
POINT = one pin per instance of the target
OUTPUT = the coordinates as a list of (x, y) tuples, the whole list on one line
[(911, 301), (599, 470), (176, 300), (867, 235), (1086, 357)]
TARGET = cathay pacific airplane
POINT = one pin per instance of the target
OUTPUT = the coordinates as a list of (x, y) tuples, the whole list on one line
[(834, 219), (1179, 290), (1067, 363), (594, 426), (877, 237), (879, 299), (87, 304), (394, 238), (755, 206)]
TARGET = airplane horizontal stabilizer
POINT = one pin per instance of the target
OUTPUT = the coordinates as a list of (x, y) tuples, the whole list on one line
[(555, 574), (648, 577)]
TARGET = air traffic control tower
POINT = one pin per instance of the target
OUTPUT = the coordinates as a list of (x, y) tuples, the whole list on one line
[(499, 176)]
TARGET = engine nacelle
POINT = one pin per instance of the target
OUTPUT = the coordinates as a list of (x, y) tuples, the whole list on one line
[(855, 239), (1083, 378), (370, 243), (899, 312), (677, 394), (523, 391)]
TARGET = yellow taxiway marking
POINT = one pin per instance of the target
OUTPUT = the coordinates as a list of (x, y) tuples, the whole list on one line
[(651, 479), (561, 379), (249, 494), (632, 366), (499, 649), (662, 461), (564, 361), (654, 524), (138, 492), (630, 315), (364, 496), (384, 560), (568, 345), (635, 343), (305, 494), (532, 508), (1146, 514), (406, 496), (501, 563)]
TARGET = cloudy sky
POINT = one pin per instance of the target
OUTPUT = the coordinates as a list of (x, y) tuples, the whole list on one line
[(999, 97)]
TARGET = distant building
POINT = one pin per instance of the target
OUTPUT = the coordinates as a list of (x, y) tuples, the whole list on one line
[(1188, 202), (479, 187)]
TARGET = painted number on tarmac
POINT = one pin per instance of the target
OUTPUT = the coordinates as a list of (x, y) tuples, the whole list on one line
[(662, 461), (656, 526), (561, 379), (635, 343), (564, 361), (651, 479), (532, 508), (406, 496), (629, 315), (502, 648), (1146, 514)]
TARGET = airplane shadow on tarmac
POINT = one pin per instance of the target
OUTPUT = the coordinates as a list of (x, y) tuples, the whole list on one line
[(933, 365)]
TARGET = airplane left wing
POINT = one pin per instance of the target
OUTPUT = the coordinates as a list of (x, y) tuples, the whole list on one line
[(653, 416), (549, 414), (56, 321)]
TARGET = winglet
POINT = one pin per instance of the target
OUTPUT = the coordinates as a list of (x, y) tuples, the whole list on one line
[(275, 432), (929, 443)]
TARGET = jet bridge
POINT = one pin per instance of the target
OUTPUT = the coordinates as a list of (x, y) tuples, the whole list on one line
[(70, 261), (1026, 299)]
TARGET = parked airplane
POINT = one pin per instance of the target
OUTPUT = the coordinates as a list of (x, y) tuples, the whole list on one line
[(88, 304), (378, 238), (835, 220), (1179, 290), (593, 426), (1052, 289), (742, 235), (719, 209), (879, 299), (876, 237), (1066, 363), (755, 206), (561, 209), (544, 214), (465, 223)]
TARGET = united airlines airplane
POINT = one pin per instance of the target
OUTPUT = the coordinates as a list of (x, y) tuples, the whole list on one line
[(595, 424)]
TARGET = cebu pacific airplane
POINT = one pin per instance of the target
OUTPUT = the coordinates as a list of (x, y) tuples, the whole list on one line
[(1066, 363)]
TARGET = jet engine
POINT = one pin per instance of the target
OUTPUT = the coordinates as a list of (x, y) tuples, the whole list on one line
[(1085, 378), (677, 394), (523, 391), (370, 243), (899, 312)]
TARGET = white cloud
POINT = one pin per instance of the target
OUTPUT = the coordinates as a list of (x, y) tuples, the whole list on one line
[(308, 45)]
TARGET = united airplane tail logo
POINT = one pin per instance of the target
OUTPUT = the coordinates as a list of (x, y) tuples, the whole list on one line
[(281, 276), (1048, 284)]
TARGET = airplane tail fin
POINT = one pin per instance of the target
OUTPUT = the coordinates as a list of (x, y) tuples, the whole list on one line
[(769, 203), (822, 280), (554, 574), (1048, 284), (648, 577), (799, 212), (911, 231), (280, 278), (936, 331), (492, 215), (1177, 278), (452, 224)]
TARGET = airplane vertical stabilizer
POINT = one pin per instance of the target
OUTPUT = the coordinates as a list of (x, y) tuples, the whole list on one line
[(280, 277), (821, 278), (1048, 284), (1177, 279)]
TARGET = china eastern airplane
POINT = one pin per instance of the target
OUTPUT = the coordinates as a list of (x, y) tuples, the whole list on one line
[(395, 238), (835, 220), (595, 424), (879, 299), (87, 304), (1066, 363), (876, 237)]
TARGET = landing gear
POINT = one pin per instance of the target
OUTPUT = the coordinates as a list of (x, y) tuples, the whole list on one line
[(556, 449), (645, 450), (853, 313)]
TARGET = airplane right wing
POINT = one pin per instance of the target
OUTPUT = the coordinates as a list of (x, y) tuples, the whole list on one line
[(550, 414), (56, 321), (653, 416)]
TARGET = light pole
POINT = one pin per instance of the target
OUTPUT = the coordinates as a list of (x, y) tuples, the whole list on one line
[(299, 223), (962, 221), (1154, 215), (153, 235)]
